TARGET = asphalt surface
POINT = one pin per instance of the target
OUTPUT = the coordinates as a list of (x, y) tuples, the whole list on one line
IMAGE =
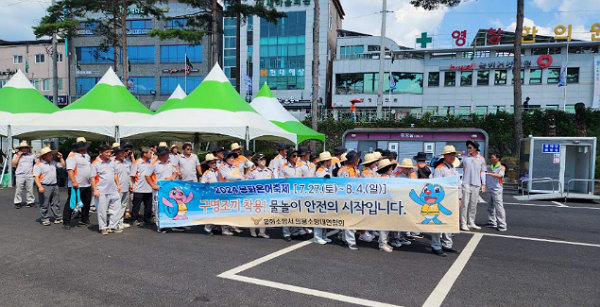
[(47, 266)]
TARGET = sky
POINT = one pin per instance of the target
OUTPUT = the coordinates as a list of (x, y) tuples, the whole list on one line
[(404, 24)]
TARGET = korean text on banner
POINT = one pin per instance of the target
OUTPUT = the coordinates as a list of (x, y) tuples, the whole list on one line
[(344, 203)]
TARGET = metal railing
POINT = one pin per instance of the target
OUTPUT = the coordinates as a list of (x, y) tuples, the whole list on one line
[(539, 180), (593, 181)]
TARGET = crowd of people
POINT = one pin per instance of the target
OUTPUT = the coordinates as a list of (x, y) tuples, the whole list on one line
[(116, 184)]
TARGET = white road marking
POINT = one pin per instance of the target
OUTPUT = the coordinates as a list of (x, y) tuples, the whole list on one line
[(232, 275), (436, 298), (539, 240), (559, 204)]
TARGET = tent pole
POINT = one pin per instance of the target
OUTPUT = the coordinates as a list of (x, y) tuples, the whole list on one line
[(10, 156), (247, 137), (196, 140), (207, 146), (254, 145), (117, 135)]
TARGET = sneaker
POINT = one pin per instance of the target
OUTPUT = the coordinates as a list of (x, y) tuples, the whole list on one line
[(353, 247), (490, 225), (386, 248), (319, 241), (17, 206), (138, 223), (46, 223), (227, 232), (92, 209), (66, 227), (252, 233), (84, 223), (309, 231), (118, 230), (501, 229), (58, 221), (366, 237), (464, 228), (473, 226), (396, 243), (301, 232), (326, 239), (405, 242), (287, 239), (110, 230), (375, 234), (208, 231), (438, 252), (264, 235), (450, 250), (236, 230), (104, 232), (124, 225)]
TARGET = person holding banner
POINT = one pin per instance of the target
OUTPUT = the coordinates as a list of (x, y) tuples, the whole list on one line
[(324, 170), (291, 169), (350, 170), (78, 170), (279, 159), (406, 169), (473, 182), (229, 172), (122, 170), (189, 165), (241, 161), (423, 170), (260, 172), (158, 170), (106, 186), (44, 175), (442, 242), (218, 153), (337, 157), (142, 191), (308, 168), (385, 169), (369, 171), (211, 175)]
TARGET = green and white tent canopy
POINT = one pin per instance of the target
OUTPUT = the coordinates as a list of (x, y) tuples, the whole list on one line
[(269, 107), (21, 103), (177, 96), (97, 114), (214, 110)]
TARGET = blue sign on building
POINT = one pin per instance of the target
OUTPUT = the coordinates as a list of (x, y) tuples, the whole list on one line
[(551, 148)]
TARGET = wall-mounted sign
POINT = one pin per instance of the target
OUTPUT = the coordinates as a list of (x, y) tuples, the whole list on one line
[(87, 72), (182, 69), (291, 72), (545, 63), (551, 148), (62, 100), (8, 72)]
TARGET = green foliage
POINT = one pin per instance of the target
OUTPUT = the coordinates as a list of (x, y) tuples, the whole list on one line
[(434, 4)]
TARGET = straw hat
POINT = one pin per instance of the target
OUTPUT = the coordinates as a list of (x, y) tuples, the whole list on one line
[(81, 140), (378, 155), (407, 163), (23, 144), (80, 144), (324, 156), (174, 146), (449, 149), (385, 163), (115, 145), (163, 144), (46, 150), (343, 158), (235, 146), (370, 158), (210, 157)]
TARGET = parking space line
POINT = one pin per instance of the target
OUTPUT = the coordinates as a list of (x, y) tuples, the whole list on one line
[(540, 240), (559, 204), (436, 298)]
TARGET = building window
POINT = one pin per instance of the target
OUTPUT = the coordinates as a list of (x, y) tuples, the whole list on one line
[(17, 59), (406, 83), (351, 52), (94, 55), (522, 77), (36, 83), (483, 77), (570, 109), (572, 75), (141, 26), (496, 109), (481, 110), (350, 84), (583, 49), (141, 85), (45, 85), (553, 75), (330, 21), (450, 78), (540, 51), (60, 84), (142, 54), (59, 56), (39, 58), (168, 84), (464, 111), (535, 76), (432, 110), (433, 79), (3, 82), (177, 23), (177, 53), (282, 52), (447, 111), (500, 77), (84, 85), (552, 107), (466, 78)]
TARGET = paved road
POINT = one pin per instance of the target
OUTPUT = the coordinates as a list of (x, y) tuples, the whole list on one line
[(47, 266)]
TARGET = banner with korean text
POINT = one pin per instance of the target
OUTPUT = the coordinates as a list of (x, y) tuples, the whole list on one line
[(347, 203)]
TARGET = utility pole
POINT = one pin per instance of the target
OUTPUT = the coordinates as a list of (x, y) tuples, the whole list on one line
[(314, 105), (54, 67), (381, 61)]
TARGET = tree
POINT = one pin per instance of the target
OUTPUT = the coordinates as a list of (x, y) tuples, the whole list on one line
[(204, 22), (109, 20), (517, 93), (314, 106)]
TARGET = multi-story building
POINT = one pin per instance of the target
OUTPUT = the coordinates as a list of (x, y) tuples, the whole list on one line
[(156, 66), (465, 80), (34, 58), (281, 55)]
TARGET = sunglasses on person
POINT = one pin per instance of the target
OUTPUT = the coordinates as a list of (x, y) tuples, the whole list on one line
[(294, 156)]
